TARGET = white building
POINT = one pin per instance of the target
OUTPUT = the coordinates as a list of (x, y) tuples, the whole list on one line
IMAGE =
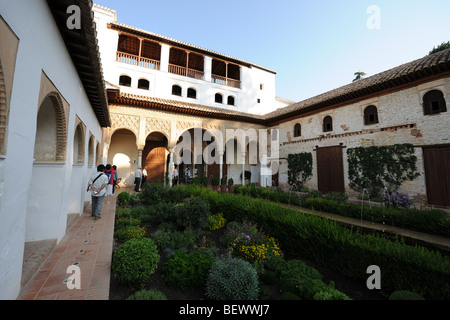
[(148, 64)]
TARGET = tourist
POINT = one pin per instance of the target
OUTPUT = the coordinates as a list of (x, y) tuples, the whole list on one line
[(109, 187), (144, 178), (137, 179), (97, 184), (175, 175), (115, 178)]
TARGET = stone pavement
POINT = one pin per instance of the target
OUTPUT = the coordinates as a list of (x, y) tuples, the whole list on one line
[(88, 244)]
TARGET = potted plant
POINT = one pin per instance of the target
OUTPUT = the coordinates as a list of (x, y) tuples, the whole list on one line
[(215, 184), (230, 185), (223, 184)]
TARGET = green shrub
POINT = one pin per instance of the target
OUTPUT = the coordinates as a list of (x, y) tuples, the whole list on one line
[(153, 193), (123, 199), (187, 270), (405, 295), (289, 296), (232, 279), (215, 222), (298, 278), (268, 277), (127, 221), (122, 212), (126, 233), (135, 261), (331, 294), (336, 196), (192, 212), (173, 239), (345, 250), (151, 294)]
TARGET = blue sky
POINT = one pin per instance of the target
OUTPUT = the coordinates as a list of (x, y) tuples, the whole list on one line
[(315, 46)]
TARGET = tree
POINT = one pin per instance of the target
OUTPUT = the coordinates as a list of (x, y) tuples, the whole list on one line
[(443, 46), (359, 75)]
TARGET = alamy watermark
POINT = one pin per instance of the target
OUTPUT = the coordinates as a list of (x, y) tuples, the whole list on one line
[(74, 281), (239, 146), (374, 20), (374, 281), (74, 20)]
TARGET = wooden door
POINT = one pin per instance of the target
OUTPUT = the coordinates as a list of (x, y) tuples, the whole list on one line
[(154, 164), (330, 169), (437, 174)]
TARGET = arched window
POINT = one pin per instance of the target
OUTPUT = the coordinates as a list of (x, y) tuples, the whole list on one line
[(176, 90), (218, 98), (434, 102), (297, 130), (192, 93), (230, 101), (370, 115), (327, 124), (125, 81), (143, 84)]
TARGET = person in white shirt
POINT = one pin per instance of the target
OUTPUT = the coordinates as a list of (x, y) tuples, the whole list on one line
[(175, 176), (137, 179), (96, 185)]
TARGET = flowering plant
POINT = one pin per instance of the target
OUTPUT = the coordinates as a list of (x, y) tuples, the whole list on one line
[(397, 201), (215, 222)]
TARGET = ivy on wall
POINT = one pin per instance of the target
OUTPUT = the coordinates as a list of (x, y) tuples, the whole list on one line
[(374, 168), (299, 169)]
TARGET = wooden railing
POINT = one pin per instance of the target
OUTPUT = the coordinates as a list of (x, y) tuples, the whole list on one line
[(137, 60), (225, 81), (183, 71)]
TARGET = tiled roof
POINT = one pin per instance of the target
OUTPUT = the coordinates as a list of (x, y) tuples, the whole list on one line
[(83, 49), (182, 107), (416, 70)]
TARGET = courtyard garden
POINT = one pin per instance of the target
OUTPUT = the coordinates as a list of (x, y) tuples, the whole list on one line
[(193, 243)]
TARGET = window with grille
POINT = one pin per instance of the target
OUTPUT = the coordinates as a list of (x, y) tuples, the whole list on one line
[(176, 90), (434, 102), (327, 124), (218, 98), (191, 93), (144, 84), (370, 115), (297, 130), (125, 81)]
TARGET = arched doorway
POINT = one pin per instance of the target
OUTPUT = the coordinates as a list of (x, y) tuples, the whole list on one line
[(154, 157), (192, 147), (44, 218), (123, 153)]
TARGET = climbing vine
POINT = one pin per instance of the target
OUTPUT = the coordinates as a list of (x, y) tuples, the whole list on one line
[(299, 169), (374, 168)]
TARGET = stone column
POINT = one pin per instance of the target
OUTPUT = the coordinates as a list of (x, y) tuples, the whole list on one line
[(243, 168)]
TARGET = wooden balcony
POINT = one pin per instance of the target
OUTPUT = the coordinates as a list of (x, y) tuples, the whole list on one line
[(183, 71), (226, 81), (137, 60)]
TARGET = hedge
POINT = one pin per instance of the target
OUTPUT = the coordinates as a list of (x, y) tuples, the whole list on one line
[(326, 242)]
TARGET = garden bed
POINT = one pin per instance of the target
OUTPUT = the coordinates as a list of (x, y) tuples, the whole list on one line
[(354, 289), (186, 224)]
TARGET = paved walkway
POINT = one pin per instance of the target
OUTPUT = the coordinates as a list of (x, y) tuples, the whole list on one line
[(88, 245)]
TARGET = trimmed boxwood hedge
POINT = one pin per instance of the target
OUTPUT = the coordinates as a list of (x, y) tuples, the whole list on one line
[(403, 267)]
